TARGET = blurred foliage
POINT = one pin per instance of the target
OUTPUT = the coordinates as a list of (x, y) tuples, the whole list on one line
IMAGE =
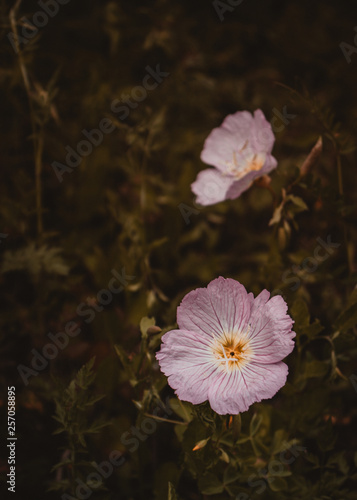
[(128, 207)]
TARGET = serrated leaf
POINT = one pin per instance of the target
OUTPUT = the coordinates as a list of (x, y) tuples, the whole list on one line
[(35, 260), (94, 400), (96, 428), (61, 464), (58, 431), (122, 355)]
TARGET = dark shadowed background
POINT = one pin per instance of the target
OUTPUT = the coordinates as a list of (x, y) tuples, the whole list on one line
[(100, 239)]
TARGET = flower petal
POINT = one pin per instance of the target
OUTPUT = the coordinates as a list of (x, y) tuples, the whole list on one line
[(224, 306), (234, 392), (211, 186), (238, 187), (262, 134), (187, 360), (231, 136), (269, 165), (271, 329)]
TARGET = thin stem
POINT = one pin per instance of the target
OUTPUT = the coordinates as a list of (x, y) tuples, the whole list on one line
[(36, 135), (184, 410), (339, 171), (161, 419), (38, 172), (341, 192)]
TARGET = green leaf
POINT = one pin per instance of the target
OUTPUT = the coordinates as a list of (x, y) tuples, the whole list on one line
[(231, 474), (224, 456), (315, 369), (277, 483), (348, 318), (172, 492), (279, 441), (165, 475), (243, 440), (277, 215), (182, 409), (280, 472), (313, 329), (299, 202), (145, 323), (122, 355), (94, 400), (35, 260), (301, 315), (255, 423), (209, 484)]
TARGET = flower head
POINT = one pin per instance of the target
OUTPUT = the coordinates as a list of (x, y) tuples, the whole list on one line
[(240, 150), (228, 348)]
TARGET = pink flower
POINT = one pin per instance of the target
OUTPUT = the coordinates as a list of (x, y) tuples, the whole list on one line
[(229, 347), (240, 150)]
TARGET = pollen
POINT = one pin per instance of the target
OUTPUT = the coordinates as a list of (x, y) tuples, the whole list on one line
[(232, 351), (244, 162)]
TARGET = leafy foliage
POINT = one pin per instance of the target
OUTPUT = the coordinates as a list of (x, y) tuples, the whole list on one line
[(73, 407), (128, 205)]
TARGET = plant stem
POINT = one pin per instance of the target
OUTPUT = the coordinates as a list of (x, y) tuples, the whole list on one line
[(339, 172), (37, 135), (161, 419)]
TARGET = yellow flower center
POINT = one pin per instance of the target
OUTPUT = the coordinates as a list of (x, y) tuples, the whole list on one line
[(232, 351), (245, 162)]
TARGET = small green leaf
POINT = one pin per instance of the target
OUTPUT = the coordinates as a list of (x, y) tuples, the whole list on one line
[(209, 484), (255, 423), (299, 202), (243, 440), (277, 214), (277, 483), (182, 409), (231, 475), (146, 323), (224, 456), (315, 369), (347, 319), (172, 492), (279, 441)]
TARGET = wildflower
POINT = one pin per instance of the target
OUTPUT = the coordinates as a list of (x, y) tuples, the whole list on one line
[(228, 348), (240, 152)]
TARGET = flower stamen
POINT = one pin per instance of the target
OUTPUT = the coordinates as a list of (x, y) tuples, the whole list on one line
[(232, 350)]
